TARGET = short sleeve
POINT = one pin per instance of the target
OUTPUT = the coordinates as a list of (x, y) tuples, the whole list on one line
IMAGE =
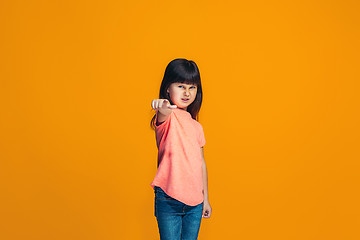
[(162, 128), (162, 124), (202, 136)]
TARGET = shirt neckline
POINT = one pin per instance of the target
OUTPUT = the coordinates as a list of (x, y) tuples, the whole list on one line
[(183, 112)]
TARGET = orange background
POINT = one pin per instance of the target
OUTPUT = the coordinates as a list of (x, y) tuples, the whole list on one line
[(280, 115)]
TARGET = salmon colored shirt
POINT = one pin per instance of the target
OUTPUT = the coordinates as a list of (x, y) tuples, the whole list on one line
[(179, 172)]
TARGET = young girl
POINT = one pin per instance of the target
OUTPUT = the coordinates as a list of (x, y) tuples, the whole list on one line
[(180, 184)]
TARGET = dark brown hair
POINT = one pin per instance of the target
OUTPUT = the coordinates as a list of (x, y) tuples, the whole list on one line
[(181, 70)]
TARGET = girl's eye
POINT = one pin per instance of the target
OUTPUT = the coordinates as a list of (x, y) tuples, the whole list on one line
[(190, 87)]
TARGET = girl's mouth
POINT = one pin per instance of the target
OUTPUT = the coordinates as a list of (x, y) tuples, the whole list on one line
[(185, 99)]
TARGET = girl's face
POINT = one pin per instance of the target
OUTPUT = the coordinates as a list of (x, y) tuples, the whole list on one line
[(181, 94)]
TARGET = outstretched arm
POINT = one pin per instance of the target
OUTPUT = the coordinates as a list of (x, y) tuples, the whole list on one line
[(207, 208)]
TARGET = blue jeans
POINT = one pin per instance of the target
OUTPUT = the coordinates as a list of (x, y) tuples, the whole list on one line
[(176, 220)]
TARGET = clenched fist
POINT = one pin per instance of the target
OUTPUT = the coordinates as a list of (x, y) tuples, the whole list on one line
[(163, 105)]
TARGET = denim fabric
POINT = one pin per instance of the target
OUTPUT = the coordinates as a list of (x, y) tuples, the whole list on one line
[(176, 220)]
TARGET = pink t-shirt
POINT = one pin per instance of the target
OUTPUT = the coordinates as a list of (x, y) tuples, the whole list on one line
[(179, 172)]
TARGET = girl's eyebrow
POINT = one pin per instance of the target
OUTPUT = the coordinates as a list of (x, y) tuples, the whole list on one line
[(191, 85)]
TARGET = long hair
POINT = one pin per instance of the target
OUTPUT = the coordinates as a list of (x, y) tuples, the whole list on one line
[(181, 70)]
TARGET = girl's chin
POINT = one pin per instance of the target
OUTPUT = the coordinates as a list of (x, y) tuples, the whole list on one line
[(182, 104)]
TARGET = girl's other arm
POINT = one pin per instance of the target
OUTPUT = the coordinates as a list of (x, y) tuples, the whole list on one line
[(207, 208)]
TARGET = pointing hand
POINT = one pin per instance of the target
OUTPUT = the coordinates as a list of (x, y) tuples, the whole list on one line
[(163, 105)]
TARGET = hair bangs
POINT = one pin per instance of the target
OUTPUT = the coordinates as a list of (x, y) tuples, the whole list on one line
[(187, 73)]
